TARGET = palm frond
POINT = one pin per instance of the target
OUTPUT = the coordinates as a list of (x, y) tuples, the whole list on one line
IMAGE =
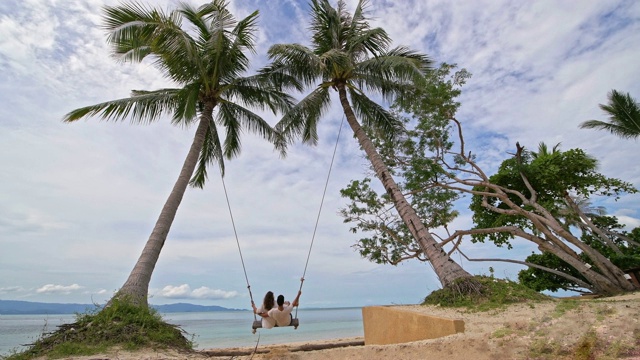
[(327, 25), (375, 116), (392, 74), (244, 32), (255, 91), (186, 108), (624, 116), (272, 75), (211, 152), (302, 120), (234, 117), (295, 60), (336, 64), (131, 28), (374, 41), (141, 107)]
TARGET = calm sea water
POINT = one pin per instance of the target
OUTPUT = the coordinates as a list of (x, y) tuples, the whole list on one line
[(208, 330)]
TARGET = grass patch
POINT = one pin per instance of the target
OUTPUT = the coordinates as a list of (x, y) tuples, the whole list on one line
[(492, 294), (502, 332), (546, 349), (586, 346), (564, 306), (603, 312), (121, 324)]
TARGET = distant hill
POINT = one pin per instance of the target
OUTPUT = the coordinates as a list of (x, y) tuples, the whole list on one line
[(15, 307)]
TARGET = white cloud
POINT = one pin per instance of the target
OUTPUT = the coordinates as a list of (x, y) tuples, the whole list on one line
[(11, 289), (89, 193), (204, 292), (630, 222), (184, 292), (58, 289)]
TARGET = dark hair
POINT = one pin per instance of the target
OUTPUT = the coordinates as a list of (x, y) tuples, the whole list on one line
[(267, 303), (280, 300)]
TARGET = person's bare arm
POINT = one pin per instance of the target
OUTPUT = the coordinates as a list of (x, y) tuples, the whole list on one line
[(296, 301)]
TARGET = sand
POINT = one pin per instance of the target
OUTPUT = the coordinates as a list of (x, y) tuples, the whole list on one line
[(538, 330)]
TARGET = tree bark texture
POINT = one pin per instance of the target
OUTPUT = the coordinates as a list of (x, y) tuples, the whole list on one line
[(136, 288), (447, 270)]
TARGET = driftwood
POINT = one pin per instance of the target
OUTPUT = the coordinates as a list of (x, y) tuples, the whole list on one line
[(266, 350)]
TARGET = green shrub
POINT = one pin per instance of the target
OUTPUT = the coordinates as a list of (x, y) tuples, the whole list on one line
[(492, 293), (120, 324)]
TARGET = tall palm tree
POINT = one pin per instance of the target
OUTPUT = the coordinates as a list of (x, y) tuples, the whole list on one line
[(624, 116), (205, 58), (349, 56)]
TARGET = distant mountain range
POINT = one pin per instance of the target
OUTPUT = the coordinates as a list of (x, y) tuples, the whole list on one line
[(14, 307)]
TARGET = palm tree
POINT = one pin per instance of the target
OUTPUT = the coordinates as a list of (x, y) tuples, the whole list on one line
[(624, 116), (543, 150), (349, 56), (206, 59)]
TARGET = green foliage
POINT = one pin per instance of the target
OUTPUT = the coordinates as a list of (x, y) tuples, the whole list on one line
[(205, 52), (586, 346), (540, 280), (553, 177), (495, 294), (409, 158), (121, 324), (346, 54), (624, 116)]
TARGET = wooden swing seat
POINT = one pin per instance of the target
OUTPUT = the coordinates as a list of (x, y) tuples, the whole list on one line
[(257, 324)]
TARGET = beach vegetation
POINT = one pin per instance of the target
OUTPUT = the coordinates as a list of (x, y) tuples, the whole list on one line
[(356, 61), (534, 196), (121, 325), (565, 305), (624, 255), (495, 294)]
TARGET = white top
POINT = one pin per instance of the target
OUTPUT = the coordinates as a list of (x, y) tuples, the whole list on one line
[(267, 322), (282, 317)]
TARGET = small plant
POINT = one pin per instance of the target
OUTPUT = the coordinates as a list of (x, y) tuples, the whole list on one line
[(565, 305), (494, 294), (120, 324), (500, 333), (545, 349), (586, 346), (603, 311)]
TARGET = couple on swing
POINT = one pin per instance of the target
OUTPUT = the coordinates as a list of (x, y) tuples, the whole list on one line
[(272, 315)]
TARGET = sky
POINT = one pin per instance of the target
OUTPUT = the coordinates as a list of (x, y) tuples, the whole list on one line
[(78, 201)]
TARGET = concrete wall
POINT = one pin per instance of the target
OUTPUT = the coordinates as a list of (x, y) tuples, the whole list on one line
[(386, 325)]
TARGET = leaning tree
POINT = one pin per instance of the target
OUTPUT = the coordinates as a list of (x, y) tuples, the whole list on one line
[(526, 199), (204, 51), (354, 59)]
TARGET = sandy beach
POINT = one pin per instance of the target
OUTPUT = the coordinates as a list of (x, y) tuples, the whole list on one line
[(541, 330)]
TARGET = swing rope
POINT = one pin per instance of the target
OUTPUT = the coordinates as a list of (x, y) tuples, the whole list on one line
[(326, 184), (237, 242), (246, 277)]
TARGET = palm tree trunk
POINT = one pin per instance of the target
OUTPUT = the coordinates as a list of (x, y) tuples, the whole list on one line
[(447, 270), (136, 288)]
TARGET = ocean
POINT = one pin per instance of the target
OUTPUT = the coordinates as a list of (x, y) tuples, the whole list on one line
[(216, 329)]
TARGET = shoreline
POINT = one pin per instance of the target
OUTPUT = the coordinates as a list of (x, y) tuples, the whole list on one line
[(299, 346), (555, 328)]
